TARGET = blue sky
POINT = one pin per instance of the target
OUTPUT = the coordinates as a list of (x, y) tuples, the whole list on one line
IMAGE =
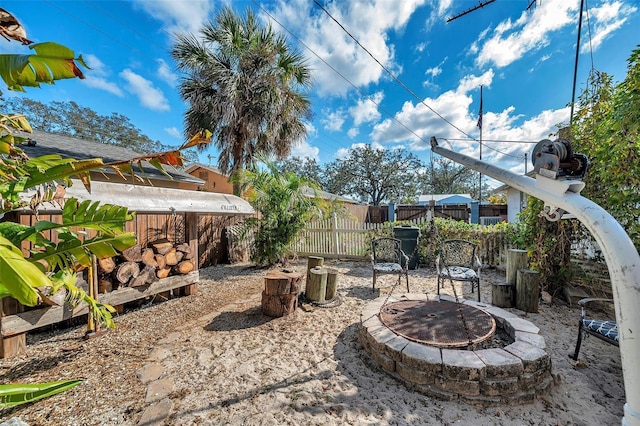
[(524, 60)]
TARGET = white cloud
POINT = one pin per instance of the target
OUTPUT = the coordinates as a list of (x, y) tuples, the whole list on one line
[(353, 132), (333, 120), (366, 110), (173, 131), (367, 21), (305, 150), (178, 15), (433, 72), (461, 110), (149, 96), (166, 74), (97, 77), (512, 40), (606, 19)]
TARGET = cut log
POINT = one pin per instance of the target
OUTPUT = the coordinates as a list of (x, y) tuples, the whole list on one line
[(162, 246), (145, 277), (107, 265), (133, 253), (184, 267), (527, 290), (280, 294), (125, 271), (316, 287), (163, 272), (278, 305), (332, 283), (160, 260), (277, 285), (171, 257), (183, 247), (149, 258), (105, 285), (502, 295)]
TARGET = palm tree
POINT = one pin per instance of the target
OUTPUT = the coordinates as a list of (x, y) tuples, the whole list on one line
[(244, 85)]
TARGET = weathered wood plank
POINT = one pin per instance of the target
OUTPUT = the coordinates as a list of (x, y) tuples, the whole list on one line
[(27, 321)]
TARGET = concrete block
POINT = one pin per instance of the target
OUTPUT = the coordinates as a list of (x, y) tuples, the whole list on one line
[(462, 365), (500, 363)]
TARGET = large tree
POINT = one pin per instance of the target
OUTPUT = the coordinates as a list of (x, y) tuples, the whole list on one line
[(71, 119), (446, 177), (607, 129), (245, 85), (307, 168), (374, 175)]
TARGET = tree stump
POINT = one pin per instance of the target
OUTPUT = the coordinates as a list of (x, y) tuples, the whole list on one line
[(280, 294), (502, 295), (527, 290), (316, 288), (516, 259), (332, 283)]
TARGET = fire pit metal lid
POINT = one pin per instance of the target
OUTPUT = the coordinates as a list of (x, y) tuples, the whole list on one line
[(438, 322)]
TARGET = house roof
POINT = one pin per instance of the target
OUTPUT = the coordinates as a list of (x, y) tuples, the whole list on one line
[(440, 197), (327, 195), (191, 167), (80, 149), (155, 199)]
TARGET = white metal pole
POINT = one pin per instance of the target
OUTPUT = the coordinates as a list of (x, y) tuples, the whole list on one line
[(620, 255)]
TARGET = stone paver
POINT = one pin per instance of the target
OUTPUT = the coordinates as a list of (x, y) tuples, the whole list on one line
[(156, 414), (150, 372), (159, 389)]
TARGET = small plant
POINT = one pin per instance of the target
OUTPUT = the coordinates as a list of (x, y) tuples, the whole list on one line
[(284, 209)]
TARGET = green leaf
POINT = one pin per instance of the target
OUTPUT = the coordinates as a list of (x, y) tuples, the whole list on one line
[(18, 275), (16, 394), (71, 250), (51, 62)]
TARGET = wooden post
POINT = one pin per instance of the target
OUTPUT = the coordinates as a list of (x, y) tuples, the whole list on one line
[(316, 288), (312, 262), (527, 290), (17, 344), (191, 231), (332, 283), (280, 294), (335, 234), (516, 259), (502, 295)]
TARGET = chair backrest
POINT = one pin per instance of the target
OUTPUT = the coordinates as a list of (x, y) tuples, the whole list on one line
[(459, 253), (386, 250)]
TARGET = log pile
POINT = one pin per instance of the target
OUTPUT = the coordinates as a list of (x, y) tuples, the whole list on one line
[(140, 266)]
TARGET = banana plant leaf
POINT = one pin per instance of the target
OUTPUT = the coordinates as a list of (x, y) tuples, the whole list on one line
[(18, 275), (16, 394), (70, 249), (51, 62)]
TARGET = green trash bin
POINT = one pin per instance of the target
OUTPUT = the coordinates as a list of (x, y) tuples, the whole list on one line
[(408, 236)]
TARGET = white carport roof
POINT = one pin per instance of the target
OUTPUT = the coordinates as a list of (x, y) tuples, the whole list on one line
[(141, 198)]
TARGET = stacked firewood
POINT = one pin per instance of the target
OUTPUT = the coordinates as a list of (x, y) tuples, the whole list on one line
[(139, 266)]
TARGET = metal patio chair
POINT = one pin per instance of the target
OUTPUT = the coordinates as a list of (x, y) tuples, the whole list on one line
[(604, 329), (458, 261), (387, 257)]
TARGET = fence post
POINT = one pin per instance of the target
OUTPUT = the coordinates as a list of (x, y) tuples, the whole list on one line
[(334, 232)]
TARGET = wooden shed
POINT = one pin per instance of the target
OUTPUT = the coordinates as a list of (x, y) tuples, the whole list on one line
[(188, 219)]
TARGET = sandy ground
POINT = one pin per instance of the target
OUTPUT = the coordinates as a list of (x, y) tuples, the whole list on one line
[(232, 365)]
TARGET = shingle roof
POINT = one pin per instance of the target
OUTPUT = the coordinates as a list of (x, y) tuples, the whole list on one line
[(80, 149)]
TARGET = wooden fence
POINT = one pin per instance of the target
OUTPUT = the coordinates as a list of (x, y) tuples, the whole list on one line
[(336, 238)]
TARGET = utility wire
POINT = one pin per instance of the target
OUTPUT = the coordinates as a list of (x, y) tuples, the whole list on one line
[(392, 75), (377, 104)]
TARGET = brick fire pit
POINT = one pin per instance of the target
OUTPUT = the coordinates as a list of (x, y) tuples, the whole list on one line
[(515, 374)]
